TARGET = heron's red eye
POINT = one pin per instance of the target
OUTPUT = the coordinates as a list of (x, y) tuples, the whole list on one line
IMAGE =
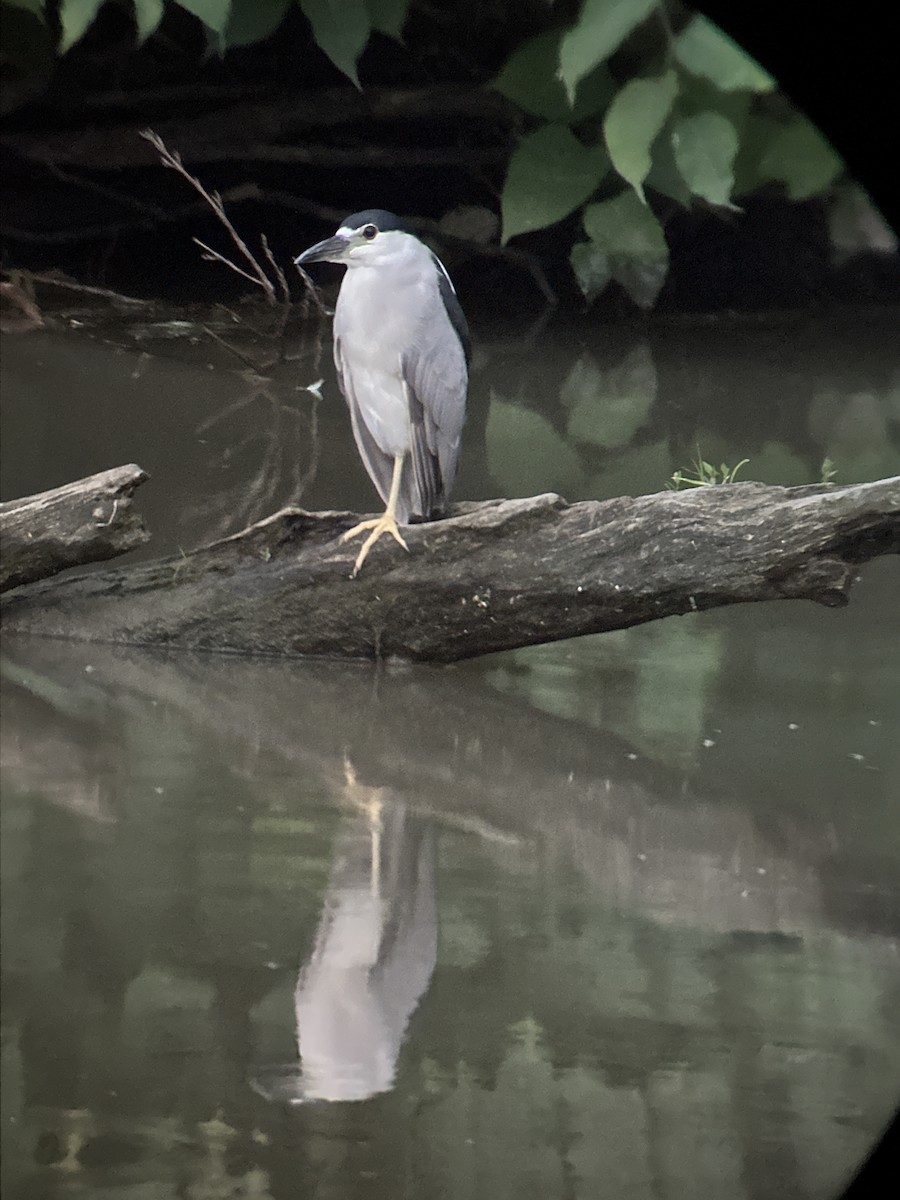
[(369, 231)]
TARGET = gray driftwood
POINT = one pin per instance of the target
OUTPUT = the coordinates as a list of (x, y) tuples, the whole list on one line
[(491, 577), (86, 521)]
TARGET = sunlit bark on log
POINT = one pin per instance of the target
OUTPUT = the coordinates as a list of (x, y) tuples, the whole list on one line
[(492, 576)]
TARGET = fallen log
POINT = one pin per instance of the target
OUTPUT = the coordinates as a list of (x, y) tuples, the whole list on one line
[(86, 521), (492, 576)]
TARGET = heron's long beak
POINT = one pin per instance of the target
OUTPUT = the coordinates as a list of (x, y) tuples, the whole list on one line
[(333, 249)]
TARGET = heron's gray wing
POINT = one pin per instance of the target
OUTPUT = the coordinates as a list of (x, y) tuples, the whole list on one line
[(454, 308), (379, 465), (435, 371)]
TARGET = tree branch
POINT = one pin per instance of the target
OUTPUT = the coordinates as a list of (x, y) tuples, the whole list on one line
[(492, 576), (253, 128), (86, 521)]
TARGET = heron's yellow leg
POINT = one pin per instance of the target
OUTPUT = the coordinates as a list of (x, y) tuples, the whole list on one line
[(386, 523)]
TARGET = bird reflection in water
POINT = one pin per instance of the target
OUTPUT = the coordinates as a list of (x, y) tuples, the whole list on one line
[(372, 959)]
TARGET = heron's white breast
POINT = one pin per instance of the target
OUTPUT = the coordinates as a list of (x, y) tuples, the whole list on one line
[(377, 319)]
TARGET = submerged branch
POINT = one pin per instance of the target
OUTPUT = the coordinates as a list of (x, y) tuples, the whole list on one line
[(492, 576)]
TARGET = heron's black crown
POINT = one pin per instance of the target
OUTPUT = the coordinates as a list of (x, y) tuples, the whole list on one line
[(385, 221)]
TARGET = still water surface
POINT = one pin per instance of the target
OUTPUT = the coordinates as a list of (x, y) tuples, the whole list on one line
[(617, 917)]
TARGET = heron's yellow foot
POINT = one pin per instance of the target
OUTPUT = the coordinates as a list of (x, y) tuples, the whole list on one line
[(379, 527)]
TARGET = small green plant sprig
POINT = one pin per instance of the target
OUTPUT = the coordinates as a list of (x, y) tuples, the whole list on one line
[(705, 474)]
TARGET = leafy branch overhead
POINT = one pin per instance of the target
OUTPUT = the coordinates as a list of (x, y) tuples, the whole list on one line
[(698, 121), (626, 110), (341, 27)]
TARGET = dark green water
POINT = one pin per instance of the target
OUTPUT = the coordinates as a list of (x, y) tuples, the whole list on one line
[(615, 918)]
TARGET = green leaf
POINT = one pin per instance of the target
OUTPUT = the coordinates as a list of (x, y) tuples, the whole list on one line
[(625, 228), (601, 28), (388, 16), (665, 177), (525, 454), (341, 28), (633, 122), (802, 160), (855, 226), (529, 79), (147, 16), (253, 21), (35, 7), (591, 267), (757, 135), (75, 17), (550, 174), (703, 49), (630, 234), (705, 147), (698, 95), (213, 13)]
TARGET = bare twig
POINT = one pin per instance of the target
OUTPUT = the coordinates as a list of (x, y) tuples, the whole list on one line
[(311, 290), (211, 255), (302, 482), (277, 293), (279, 274), (285, 296), (256, 273), (57, 279), (286, 467), (248, 362)]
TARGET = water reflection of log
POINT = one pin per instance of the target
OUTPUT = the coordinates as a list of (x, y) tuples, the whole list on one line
[(495, 576), (448, 747), (732, 1073)]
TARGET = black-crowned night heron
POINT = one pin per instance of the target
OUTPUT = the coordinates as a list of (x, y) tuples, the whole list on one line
[(401, 347)]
